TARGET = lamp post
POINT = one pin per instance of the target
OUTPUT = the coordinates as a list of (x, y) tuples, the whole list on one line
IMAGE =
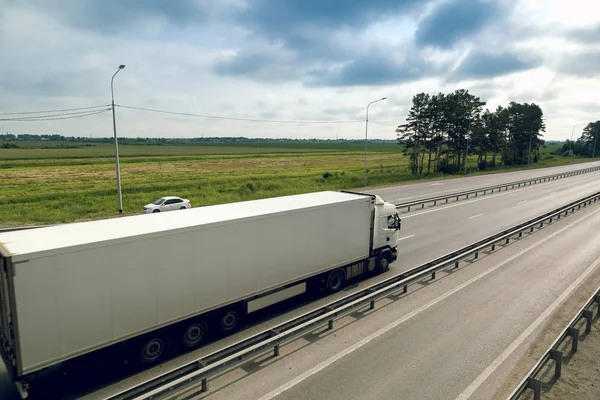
[(366, 136), (112, 93)]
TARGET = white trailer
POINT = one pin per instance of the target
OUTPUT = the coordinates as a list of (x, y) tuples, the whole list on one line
[(141, 281)]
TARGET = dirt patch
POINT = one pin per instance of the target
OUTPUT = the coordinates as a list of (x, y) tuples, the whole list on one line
[(580, 377)]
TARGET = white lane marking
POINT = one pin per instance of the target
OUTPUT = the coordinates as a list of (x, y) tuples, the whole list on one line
[(419, 310), (406, 237), (475, 216), (518, 341), (460, 203), (522, 202), (437, 184)]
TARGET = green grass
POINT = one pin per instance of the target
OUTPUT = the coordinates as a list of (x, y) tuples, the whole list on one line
[(50, 185)]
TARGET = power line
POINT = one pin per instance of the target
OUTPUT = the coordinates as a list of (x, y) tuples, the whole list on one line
[(239, 119), (54, 111), (55, 117)]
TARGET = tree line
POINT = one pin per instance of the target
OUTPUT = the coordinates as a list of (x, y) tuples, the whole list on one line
[(443, 130), (587, 144)]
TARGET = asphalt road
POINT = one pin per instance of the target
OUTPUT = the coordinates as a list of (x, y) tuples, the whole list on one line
[(471, 333), (439, 187), (430, 233)]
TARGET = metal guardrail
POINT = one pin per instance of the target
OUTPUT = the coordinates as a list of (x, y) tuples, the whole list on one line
[(198, 372), (491, 189), (553, 353)]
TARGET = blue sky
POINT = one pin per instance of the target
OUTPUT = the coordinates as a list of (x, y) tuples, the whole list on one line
[(292, 60)]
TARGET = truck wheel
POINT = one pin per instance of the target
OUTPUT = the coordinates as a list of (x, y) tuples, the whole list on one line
[(152, 349), (195, 333), (383, 264), (230, 321), (335, 281), (372, 266)]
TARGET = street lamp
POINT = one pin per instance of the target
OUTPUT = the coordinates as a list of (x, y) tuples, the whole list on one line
[(571, 142), (112, 93), (366, 135)]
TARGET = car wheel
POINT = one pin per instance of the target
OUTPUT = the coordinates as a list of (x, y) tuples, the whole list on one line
[(183, 208), (155, 211)]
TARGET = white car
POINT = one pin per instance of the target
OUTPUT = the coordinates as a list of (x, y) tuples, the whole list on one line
[(167, 203)]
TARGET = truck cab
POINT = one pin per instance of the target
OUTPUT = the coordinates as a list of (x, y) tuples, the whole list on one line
[(386, 225)]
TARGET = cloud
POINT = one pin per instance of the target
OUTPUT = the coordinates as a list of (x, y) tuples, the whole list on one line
[(455, 20), (371, 70), (584, 64), (479, 64)]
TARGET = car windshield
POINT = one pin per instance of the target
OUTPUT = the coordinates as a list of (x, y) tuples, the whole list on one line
[(159, 202)]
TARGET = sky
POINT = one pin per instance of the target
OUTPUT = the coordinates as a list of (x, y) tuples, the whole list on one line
[(303, 68)]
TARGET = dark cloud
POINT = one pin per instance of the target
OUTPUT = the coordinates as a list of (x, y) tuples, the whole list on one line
[(114, 16), (455, 20), (479, 64), (305, 26), (373, 70), (261, 66)]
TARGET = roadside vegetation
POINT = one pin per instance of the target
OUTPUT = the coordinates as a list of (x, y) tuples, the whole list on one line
[(46, 182)]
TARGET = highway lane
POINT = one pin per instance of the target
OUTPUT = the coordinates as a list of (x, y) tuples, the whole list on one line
[(458, 337), (436, 231), (433, 232), (438, 187)]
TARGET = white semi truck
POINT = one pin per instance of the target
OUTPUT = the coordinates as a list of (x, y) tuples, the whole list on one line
[(144, 281)]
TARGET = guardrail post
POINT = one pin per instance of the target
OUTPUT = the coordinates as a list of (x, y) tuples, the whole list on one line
[(507, 240), (467, 195), (405, 289), (435, 202), (558, 216), (204, 386), (536, 386), (433, 275), (588, 315), (372, 305), (557, 356), (475, 194), (422, 205), (476, 255), (531, 229), (574, 333), (408, 209), (484, 192), (521, 234), (447, 200), (456, 266), (330, 324), (456, 198), (494, 247), (542, 224)]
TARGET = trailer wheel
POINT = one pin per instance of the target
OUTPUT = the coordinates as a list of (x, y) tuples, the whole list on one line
[(230, 320), (195, 333), (152, 349), (335, 281), (383, 263)]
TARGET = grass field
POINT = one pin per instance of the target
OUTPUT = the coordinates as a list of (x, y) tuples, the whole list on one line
[(50, 182)]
